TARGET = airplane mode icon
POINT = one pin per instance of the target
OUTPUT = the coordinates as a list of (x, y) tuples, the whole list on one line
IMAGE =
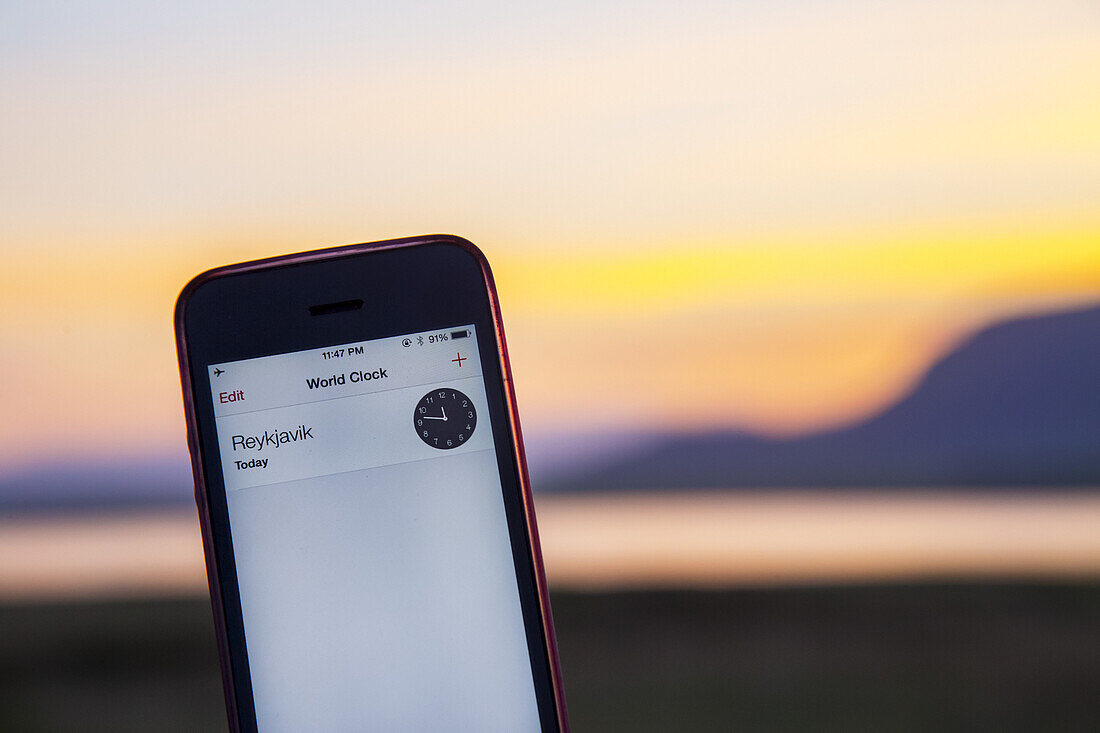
[(218, 372)]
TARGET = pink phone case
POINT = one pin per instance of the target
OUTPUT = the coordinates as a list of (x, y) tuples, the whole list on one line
[(513, 417)]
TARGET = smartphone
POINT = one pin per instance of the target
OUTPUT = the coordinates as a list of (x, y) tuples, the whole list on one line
[(367, 521)]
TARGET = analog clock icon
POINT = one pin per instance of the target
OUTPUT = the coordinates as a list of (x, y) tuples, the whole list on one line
[(445, 418)]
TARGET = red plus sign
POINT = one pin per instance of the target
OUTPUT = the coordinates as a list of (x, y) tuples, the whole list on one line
[(460, 358)]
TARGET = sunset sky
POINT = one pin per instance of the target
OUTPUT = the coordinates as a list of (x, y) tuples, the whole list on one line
[(767, 216)]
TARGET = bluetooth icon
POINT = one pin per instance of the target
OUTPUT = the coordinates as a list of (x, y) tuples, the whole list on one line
[(420, 340)]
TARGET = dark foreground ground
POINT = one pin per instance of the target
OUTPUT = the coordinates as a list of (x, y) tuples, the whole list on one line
[(882, 658)]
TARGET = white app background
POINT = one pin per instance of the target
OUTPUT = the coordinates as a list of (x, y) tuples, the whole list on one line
[(376, 575)]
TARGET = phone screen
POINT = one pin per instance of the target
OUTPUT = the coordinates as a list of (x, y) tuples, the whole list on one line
[(376, 577)]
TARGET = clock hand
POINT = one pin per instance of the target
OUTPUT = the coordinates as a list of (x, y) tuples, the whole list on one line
[(443, 411), (429, 417)]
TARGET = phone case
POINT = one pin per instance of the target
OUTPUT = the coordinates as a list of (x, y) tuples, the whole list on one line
[(513, 418)]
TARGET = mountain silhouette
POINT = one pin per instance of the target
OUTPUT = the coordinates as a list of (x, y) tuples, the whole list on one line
[(128, 483), (1018, 404)]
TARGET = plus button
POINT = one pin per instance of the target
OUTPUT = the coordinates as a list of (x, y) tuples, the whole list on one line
[(460, 358)]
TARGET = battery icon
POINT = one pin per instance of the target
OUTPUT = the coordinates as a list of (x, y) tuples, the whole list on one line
[(460, 334)]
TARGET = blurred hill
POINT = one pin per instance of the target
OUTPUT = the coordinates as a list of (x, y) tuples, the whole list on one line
[(134, 482), (1016, 405)]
